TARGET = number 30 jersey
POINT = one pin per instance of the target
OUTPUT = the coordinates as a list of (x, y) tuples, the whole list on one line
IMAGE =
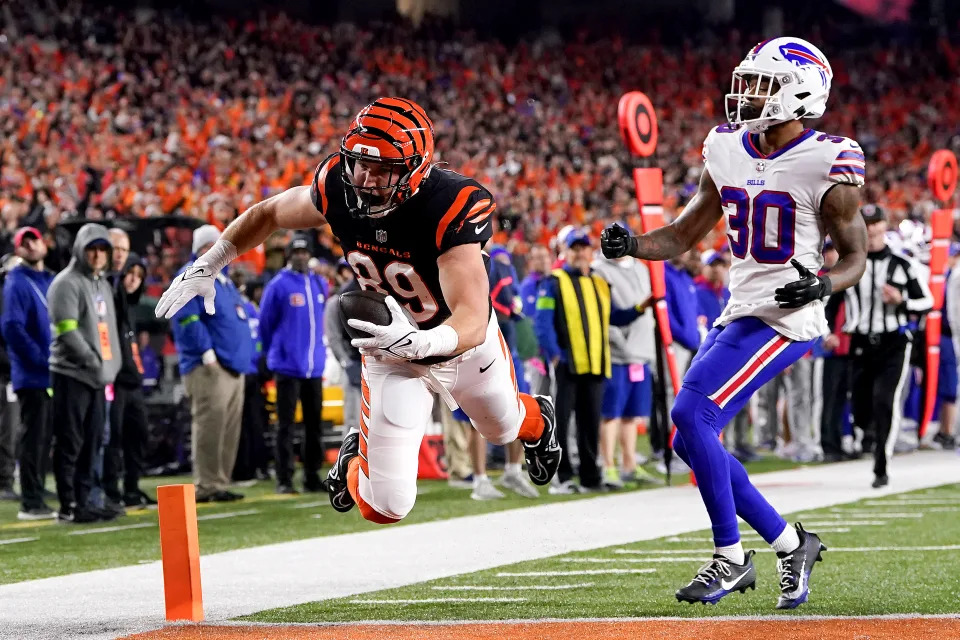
[(772, 210), (397, 254)]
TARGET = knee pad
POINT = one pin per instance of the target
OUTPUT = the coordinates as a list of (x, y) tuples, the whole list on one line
[(392, 503)]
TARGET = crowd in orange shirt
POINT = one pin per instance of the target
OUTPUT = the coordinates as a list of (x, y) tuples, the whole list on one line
[(110, 114)]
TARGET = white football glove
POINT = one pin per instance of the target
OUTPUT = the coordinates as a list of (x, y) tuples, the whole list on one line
[(401, 339), (197, 280)]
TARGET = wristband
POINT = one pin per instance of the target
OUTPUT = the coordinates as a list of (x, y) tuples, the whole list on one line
[(222, 253), (440, 341)]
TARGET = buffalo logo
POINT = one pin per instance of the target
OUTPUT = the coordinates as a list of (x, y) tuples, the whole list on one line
[(381, 236), (802, 56), (297, 300)]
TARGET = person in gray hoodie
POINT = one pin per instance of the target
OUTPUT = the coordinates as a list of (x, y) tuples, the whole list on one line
[(84, 358), (628, 394)]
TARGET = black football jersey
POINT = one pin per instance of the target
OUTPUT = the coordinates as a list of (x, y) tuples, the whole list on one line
[(397, 254)]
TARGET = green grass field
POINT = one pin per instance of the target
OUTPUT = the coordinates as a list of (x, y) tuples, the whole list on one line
[(262, 518), (902, 579)]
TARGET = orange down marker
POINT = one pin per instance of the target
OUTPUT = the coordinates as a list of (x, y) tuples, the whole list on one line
[(180, 551)]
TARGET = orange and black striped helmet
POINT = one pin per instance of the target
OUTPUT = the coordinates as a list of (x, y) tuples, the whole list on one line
[(385, 155)]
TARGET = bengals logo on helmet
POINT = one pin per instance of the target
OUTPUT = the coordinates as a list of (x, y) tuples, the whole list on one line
[(385, 155)]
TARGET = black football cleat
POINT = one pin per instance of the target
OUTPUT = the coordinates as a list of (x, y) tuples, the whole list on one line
[(336, 482), (543, 456), (718, 578), (794, 568)]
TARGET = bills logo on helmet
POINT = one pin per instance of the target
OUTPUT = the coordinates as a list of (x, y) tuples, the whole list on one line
[(800, 56)]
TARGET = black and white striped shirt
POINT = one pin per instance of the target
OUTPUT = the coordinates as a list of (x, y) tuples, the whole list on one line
[(867, 313)]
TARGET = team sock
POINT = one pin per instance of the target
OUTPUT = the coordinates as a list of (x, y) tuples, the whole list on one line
[(478, 478), (511, 468), (787, 541), (732, 552), (532, 426)]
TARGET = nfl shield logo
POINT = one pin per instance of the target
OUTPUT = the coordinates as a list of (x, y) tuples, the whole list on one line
[(761, 166), (381, 236)]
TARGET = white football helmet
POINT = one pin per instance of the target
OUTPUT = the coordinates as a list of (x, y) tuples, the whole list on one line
[(792, 77)]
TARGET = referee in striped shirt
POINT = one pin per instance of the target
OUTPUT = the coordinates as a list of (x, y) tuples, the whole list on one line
[(880, 309)]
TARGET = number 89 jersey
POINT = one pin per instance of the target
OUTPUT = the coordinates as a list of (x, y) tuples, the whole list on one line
[(772, 209), (397, 254)]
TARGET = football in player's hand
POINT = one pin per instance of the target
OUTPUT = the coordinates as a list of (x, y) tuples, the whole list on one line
[(369, 306)]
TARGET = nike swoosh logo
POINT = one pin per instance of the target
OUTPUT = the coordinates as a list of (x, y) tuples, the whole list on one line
[(727, 586), (480, 229), (482, 369), (796, 593), (197, 272)]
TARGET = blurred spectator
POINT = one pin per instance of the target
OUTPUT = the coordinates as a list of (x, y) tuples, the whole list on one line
[(834, 350), (121, 251), (628, 393), (339, 342), (579, 353), (8, 422), (26, 331), (538, 267), (948, 378), (84, 358), (214, 351), (291, 328), (505, 298), (252, 457), (682, 311), (150, 362), (128, 412)]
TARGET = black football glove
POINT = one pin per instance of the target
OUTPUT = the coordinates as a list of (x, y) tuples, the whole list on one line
[(800, 292), (616, 242)]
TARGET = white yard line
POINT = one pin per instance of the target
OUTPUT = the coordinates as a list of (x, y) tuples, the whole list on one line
[(124, 527), (751, 537), (112, 602), (17, 540), (669, 552), (228, 514), (584, 572), (877, 514), (908, 502), (529, 587), (310, 505), (701, 557), (437, 600)]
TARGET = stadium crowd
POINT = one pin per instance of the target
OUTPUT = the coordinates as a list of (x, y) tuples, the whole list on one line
[(111, 116)]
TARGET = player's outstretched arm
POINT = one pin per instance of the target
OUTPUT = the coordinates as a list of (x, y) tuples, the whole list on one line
[(463, 280), (840, 209), (694, 222), (292, 209)]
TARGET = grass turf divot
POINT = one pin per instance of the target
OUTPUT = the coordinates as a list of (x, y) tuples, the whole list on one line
[(921, 579)]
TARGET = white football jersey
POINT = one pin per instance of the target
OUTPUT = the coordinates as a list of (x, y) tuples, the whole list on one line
[(772, 211)]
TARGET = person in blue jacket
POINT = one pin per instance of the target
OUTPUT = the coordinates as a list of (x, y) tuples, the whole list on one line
[(291, 329), (682, 308), (252, 457), (213, 341), (26, 330)]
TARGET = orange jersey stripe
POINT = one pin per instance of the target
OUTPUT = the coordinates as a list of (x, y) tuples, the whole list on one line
[(322, 181), (453, 211)]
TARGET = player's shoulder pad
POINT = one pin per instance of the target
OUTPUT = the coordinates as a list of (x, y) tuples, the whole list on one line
[(842, 158), (717, 135), (327, 171), (464, 207)]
